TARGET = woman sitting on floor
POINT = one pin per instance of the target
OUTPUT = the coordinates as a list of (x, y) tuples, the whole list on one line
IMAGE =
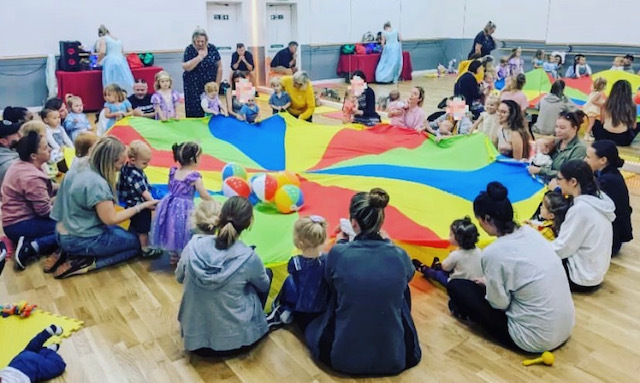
[(513, 137), (414, 116), (366, 113), (524, 301), (619, 116)]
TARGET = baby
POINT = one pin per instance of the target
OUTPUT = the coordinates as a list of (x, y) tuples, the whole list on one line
[(544, 148), (445, 129), (488, 122), (618, 63), (250, 110), (349, 106), (396, 105)]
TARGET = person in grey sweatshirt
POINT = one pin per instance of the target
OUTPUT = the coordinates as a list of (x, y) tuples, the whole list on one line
[(225, 286), (550, 107), (9, 136)]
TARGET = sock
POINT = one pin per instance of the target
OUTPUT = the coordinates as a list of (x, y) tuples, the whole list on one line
[(53, 347), (54, 330), (34, 246)]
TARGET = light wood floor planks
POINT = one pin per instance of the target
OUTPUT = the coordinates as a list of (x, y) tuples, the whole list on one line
[(131, 333)]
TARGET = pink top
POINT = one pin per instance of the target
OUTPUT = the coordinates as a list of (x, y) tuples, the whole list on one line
[(517, 96), (395, 106), (26, 193), (413, 118)]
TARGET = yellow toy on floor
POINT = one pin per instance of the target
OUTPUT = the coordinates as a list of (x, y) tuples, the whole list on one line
[(546, 358)]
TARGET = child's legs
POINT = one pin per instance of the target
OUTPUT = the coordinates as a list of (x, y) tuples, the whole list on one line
[(141, 225), (288, 295), (440, 276), (592, 120), (50, 365), (36, 343)]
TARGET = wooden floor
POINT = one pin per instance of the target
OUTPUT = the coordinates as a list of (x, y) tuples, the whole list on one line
[(131, 333)]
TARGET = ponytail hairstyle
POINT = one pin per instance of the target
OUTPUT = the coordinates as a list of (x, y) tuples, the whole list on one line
[(493, 206), (576, 59), (104, 156), (576, 118), (558, 205), (367, 208), (608, 150), (207, 216), (465, 233), (557, 89), (599, 84), (582, 173), (310, 232), (235, 216), (16, 114), (102, 30), (186, 153), (520, 81)]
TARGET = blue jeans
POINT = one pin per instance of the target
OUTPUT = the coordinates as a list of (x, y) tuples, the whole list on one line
[(41, 230), (439, 276), (113, 246), (39, 363)]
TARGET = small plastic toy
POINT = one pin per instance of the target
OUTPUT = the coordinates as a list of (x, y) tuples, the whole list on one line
[(23, 309), (546, 358)]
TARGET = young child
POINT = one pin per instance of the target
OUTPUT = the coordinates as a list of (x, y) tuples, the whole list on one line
[(544, 147), (593, 107), (116, 105), (165, 99), (250, 110), (538, 59), (463, 263), (304, 293), (171, 228), (349, 106), (489, 82), (503, 69), (551, 66), (279, 100), (580, 68), (397, 108), (141, 100), (134, 189), (516, 63), (36, 362), (210, 101), (57, 138), (441, 129), (76, 121), (488, 122), (618, 63), (445, 129), (553, 210), (84, 144)]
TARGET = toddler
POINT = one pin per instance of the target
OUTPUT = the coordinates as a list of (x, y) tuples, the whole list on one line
[(84, 144), (618, 63), (134, 189), (210, 101), (462, 263), (489, 82), (553, 210), (463, 125), (304, 293), (488, 122), (76, 121), (516, 63), (593, 107), (397, 108), (171, 228), (503, 69), (349, 106), (551, 66), (544, 147), (165, 99), (116, 105), (250, 110), (538, 59), (279, 100), (57, 138)]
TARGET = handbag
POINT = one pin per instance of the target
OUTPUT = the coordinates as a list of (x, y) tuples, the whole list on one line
[(348, 49), (146, 58), (134, 61)]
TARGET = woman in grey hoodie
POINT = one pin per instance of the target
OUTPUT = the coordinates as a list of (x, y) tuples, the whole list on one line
[(225, 284), (550, 107)]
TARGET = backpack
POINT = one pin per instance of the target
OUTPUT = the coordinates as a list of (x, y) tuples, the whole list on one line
[(348, 49), (146, 58), (360, 49)]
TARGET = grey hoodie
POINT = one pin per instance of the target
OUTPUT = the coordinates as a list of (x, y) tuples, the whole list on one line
[(220, 307), (7, 157), (585, 238), (550, 107)]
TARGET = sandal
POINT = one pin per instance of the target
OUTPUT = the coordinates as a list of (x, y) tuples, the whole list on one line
[(54, 261), (75, 266)]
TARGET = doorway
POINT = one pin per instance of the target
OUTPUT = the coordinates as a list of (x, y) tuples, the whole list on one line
[(224, 26), (281, 29)]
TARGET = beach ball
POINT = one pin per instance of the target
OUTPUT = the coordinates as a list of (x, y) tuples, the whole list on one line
[(264, 186), (235, 186), (233, 170), (288, 199), (287, 177)]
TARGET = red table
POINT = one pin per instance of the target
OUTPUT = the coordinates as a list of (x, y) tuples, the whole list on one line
[(347, 64), (88, 84)]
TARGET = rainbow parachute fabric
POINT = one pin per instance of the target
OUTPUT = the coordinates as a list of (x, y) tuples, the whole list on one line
[(430, 184)]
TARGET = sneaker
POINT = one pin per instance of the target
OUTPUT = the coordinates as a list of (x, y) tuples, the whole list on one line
[(279, 316), (436, 265), (53, 347), (151, 253), (10, 246), (24, 254), (419, 266), (54, 330)]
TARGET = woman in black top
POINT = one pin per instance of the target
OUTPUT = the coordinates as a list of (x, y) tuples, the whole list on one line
[(467, 86), (366, 113), (201, 64), (483, 44), (604, 160)]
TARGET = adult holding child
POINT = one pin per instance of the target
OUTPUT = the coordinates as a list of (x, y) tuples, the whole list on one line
[(413, 117), (369, 312), (201, 64), (513, 137), (586, 235), (85, 210), (366, 113), (523, 301)]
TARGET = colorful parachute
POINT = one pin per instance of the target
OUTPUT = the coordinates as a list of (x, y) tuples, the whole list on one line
[(430, 184)]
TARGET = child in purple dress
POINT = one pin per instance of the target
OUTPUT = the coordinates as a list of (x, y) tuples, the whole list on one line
[(164, 100), (171, 229), (210, 101)]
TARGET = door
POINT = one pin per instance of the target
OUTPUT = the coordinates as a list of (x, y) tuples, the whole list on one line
[(223, 26), (279, 29)]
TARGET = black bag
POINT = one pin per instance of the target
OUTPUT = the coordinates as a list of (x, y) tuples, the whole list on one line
[(69, 56)]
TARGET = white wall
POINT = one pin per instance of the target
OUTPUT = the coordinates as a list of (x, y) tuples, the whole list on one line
[(515, 19)]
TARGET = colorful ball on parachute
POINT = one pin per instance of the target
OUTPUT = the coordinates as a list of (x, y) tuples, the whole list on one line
[(287, 178), (233, 170), (264, 186), (288, 199), (235, 186)]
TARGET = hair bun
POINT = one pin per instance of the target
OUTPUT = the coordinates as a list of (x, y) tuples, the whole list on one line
[(497, 191), (378, 198)]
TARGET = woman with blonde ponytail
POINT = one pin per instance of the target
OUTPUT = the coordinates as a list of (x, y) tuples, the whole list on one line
[(369, 310), (225, 282)]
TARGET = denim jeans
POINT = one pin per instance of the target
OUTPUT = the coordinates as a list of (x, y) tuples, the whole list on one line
[(41, 230), (113, 246), (39, 363), (440, 276)]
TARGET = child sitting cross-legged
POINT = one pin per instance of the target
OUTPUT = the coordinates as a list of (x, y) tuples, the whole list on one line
[(250, 110), (304, 293), (463, 263)]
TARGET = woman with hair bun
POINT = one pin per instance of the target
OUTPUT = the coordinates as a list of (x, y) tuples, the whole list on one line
[(524, 301), (604, 160), (367, 328)]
